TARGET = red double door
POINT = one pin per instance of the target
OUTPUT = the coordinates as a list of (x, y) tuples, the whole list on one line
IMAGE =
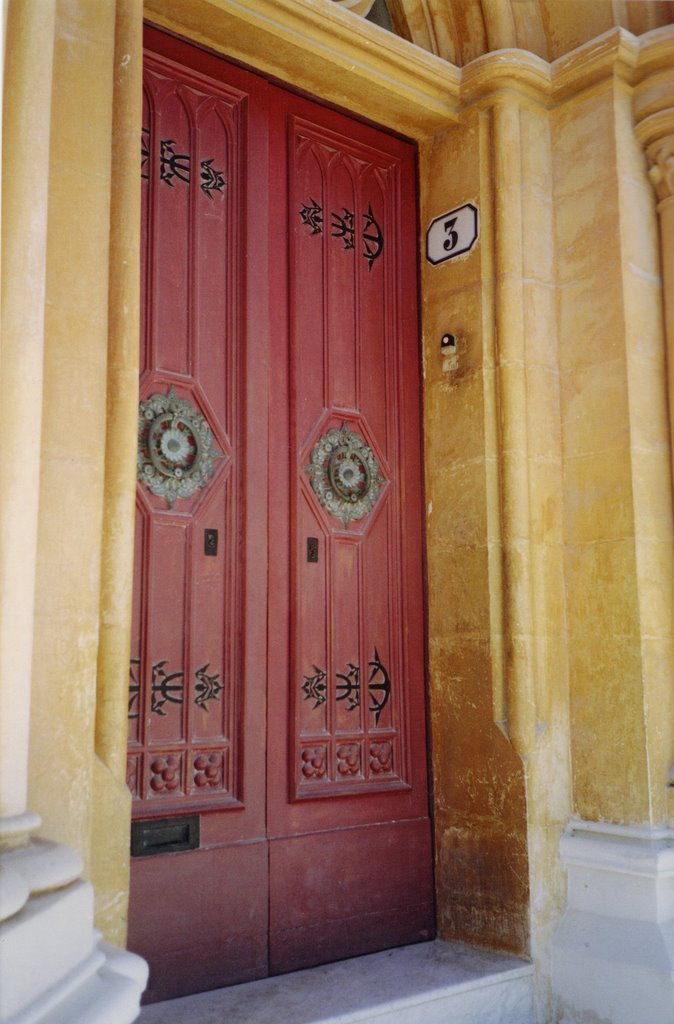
[(277, 749)]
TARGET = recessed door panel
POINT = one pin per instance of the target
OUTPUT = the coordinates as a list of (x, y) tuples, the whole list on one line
[(277, 677), (188, 647), (352, 799), (198, 649)]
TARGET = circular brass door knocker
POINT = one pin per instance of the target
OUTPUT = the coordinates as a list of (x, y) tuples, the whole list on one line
[(345, 474), (176, 450)]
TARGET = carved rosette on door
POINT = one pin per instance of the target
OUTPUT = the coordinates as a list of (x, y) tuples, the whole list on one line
[(176, 451), (345, 474)]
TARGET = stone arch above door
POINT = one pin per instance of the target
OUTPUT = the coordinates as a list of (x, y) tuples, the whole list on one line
[(460, 32)]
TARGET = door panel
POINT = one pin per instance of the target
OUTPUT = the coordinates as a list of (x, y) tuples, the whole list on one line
[(349, 816), (198, 656), (187, 647), (201, 917), (277, 672)]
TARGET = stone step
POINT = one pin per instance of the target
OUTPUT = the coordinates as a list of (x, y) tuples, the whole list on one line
[(430, 983)]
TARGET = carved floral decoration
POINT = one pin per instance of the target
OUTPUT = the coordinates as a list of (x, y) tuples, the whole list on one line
[(661, 171)]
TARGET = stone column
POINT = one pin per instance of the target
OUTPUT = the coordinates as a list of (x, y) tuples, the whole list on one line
[(24, 243), (653, 106), (46, 908), (654, 116)]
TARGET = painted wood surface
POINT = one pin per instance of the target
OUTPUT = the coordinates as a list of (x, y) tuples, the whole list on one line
[(277, 672)]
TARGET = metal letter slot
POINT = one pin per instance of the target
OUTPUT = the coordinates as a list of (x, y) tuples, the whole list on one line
[(164, 835), (210, 542), (312, 549)]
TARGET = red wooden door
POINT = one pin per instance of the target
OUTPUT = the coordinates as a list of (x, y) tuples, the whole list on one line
[(277, 748)]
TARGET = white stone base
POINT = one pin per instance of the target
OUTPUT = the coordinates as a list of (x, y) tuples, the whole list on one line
[(430, 983), (613, 952), (53, 967)]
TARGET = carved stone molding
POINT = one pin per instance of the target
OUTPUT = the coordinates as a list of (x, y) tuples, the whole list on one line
[(660, 157), (460, 31), (345, 60), (654, 117), (653, 106), (362, 7)]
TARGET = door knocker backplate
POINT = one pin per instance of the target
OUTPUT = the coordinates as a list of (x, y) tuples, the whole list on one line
[(176, 450), (345, 474)]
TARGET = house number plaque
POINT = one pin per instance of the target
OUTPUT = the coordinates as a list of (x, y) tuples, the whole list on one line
[(452, 233)]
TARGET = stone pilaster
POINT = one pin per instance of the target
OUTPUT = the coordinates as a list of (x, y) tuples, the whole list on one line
[(654, 118), (660, 156), (613, 955), (53, 966), (28, 73), (653, 105)]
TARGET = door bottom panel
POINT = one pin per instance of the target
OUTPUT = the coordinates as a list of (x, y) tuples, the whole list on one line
[(202, 922), (349, 892)]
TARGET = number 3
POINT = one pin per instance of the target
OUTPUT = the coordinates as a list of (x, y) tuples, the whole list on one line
[(453, 236)]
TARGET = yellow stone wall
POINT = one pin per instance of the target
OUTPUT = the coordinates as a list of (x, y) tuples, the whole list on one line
[(73, 426), (479, 788), (87, 478), (548, 482), (497, 625)]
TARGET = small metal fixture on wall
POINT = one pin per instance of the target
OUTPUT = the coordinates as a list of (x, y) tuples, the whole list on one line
[(449, 350)]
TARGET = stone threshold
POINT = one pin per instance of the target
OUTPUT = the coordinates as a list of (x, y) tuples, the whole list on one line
[(429, 983)]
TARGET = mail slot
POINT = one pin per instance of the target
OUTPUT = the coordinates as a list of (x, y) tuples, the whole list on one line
[(164, 835)]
